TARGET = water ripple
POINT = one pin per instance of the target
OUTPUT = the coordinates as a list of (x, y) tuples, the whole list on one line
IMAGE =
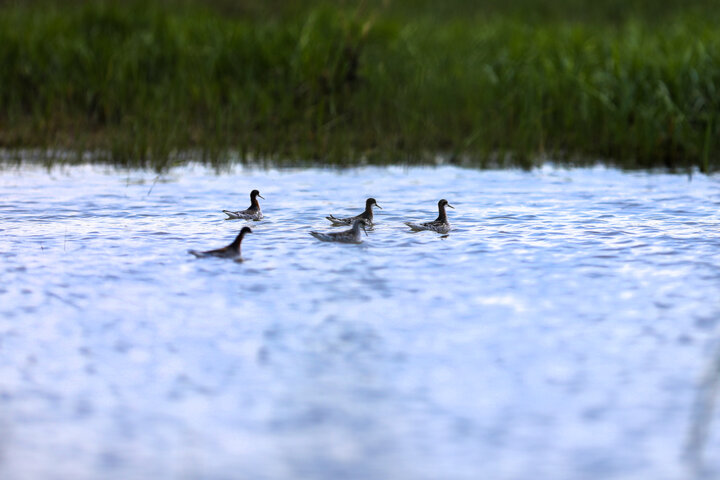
[(557, 332)]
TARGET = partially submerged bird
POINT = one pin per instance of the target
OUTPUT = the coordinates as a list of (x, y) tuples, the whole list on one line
[(347, 236), (252, 213), (367, 215), (440, 224), (231, 251)]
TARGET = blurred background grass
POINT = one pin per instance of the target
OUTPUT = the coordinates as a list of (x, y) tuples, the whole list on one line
[(632, 83)]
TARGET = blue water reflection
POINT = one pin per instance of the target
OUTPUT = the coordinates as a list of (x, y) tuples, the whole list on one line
[(559, 331)]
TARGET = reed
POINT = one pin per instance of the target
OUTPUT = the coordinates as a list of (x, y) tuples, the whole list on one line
[(143, 84)]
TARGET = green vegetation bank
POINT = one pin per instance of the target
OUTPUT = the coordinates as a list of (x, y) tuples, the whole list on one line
[(631, 83)]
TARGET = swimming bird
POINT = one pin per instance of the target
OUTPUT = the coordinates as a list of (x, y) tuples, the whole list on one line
[(347, 236), (252, 213), (367, 215), (440, 224), (231, 251)]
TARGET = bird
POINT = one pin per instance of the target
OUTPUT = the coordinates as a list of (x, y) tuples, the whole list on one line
[(367, 215), (440, 224), (252, 213), (347, 236), (231, 251)]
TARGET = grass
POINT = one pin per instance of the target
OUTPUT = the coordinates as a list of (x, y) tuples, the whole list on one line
[(145, 83)]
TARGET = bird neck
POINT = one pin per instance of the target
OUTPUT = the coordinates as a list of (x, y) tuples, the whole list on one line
[(238, 240), (442, 214)]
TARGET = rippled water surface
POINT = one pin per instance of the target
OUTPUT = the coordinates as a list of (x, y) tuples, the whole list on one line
[(560, 331)]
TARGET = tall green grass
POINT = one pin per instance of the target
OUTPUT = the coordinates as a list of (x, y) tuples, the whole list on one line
[(146, 83)]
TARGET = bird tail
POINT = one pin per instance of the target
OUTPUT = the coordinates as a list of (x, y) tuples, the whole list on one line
[(337, 221), (413, 226)]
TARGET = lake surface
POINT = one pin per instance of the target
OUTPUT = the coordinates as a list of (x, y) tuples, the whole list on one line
[(562, 330)]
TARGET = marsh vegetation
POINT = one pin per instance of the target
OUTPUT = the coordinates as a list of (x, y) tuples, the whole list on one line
[(144, 83)]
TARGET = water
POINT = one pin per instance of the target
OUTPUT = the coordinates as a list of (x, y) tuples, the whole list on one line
[(561, 330)]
